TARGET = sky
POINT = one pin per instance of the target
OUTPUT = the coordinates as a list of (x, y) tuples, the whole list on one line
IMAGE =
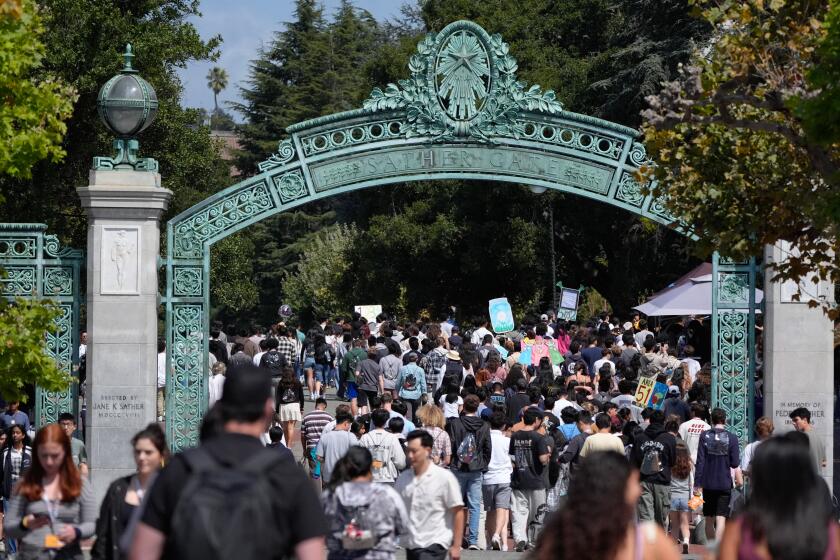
[(245, 26)]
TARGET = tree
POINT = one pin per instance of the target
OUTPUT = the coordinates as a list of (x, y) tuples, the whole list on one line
[(164, 40), (217, 80), (31, 128), (24, 325), (35, 104), (744, 152), (318, 284), (312, 67)]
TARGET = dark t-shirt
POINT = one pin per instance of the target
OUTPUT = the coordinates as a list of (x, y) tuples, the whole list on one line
[(294, 496), (592, 354), (516, 403), (526, 448)]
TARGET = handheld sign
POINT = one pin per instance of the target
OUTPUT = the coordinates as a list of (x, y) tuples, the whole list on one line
[(369, 312), (644, 390), (657, 397), (501, 315)]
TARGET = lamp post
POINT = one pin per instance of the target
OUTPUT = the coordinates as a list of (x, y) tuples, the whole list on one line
[(127, 105)]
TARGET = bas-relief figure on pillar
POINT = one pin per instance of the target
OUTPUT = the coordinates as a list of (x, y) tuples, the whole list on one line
[(119, 267)]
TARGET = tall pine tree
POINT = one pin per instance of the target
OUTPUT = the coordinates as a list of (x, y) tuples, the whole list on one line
[(311, 68)]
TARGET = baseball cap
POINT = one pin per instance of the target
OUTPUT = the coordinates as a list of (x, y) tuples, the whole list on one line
[(543, 317), (627, 326), (674, 390)]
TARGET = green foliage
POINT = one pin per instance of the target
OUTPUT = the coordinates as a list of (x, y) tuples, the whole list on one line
[(35, 104), (23, 327), (311, 68), (231, 284), (734, 158), (824, 80), (83, 40), (318, 286)]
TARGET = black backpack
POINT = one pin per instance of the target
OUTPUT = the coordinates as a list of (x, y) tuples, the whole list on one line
[(274, 361), (227, 512)]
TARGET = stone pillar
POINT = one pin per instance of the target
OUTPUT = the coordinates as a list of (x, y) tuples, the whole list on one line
[(798, 354), (124, 209)]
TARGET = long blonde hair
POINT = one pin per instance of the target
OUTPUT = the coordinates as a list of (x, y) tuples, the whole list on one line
[(431, 416)]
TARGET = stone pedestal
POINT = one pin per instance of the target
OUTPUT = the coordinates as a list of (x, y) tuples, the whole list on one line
[(124, 209), (798, 355)]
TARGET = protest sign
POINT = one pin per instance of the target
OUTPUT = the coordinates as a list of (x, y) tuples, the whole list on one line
[(501, 315)]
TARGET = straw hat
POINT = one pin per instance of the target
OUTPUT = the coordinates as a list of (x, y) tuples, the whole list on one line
[(453, 355)]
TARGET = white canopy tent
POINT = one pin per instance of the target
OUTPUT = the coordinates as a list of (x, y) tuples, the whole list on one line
[(693, 297)]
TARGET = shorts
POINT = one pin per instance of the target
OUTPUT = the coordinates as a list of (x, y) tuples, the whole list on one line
[(496, 496), (716, 502), (679, 502), (309, 363), (352, 391), (320, 373)]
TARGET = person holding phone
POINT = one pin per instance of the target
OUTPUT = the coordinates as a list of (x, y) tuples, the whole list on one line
[(53, 508)]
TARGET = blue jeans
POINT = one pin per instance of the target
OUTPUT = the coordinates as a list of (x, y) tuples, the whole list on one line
[(470, 483), (11, 544)]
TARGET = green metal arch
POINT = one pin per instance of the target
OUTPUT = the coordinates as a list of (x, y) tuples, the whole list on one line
[(491, 127)]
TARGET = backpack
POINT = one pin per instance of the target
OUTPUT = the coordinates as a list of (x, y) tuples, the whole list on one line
[(389, 372), (381, 455), (288, 396), (652, 462), (358, 532), (226, 512), (716, 442), (353, 361), (410, 382), (272, 360), (467, 449)]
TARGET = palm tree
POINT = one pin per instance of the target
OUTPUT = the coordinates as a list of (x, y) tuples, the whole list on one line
[(217, 80)]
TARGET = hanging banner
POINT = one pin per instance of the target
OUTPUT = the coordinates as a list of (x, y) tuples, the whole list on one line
[(501, 315), (644, 390)]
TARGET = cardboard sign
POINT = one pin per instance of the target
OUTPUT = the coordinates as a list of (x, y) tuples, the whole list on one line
[(657, 397), (644, 391), (369, 312), (501, 315)]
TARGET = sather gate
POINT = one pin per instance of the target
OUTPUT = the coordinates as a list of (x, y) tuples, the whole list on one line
[(36, 266), (462, 114)]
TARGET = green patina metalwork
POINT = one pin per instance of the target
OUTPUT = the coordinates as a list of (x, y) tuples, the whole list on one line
[(38, 267), (462, 114), (733, 342), (127, 104)]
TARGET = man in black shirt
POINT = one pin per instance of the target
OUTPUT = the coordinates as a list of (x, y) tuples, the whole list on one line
[(530, 456), (518, 401), (292, 520)]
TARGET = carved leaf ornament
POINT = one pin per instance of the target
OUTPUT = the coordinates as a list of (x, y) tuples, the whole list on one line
[(463, 85)]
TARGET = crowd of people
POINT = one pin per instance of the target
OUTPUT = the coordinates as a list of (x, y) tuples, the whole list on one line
[(442, 439)]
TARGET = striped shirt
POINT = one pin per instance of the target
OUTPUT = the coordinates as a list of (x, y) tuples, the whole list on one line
[(313, 426)]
